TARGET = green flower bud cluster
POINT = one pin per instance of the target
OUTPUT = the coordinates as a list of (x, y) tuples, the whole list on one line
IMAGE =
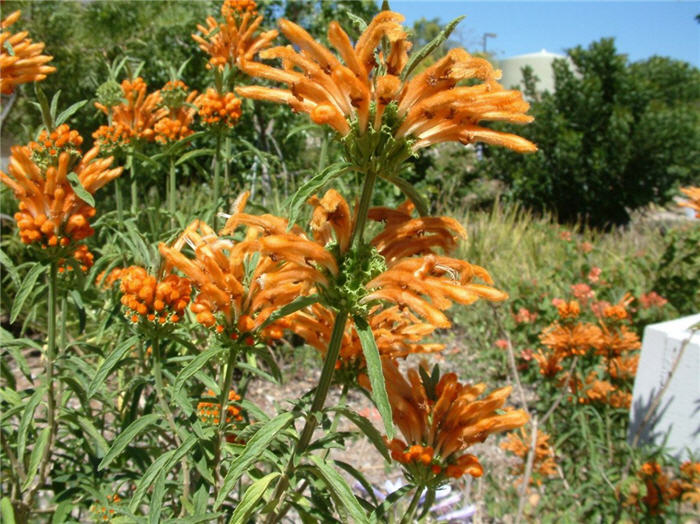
[(110, 93)]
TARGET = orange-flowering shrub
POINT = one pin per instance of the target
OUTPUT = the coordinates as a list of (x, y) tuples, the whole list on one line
[(543, 462), (440, 418), (50, 212), (693, 193), (146, 298), (661, 489), (21, 61), (218, 108), (234, 40), (426, 108), (135, 117)]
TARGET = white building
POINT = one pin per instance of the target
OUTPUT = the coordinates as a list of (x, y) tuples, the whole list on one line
[(541, 64)]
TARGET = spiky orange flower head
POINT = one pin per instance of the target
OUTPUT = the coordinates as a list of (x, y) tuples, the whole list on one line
[(176, 103), (690, 483), (568, 339), (281, 267), (21, 61), (84, 258), (147, 298), (218, 108), (660, 490), (234, 40), (50, 212), (209, 409), (440, 418), (518, 443), (358, 93), (134, 117), (693, 193)]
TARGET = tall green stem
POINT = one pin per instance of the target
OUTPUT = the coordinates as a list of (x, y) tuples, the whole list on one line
[(50, 386), (160, 394), (363, 209), (118, 198), (227, 167), (217, 168), (134, 185), (171, 192)]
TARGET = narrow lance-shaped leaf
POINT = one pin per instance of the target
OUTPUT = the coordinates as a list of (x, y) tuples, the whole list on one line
[(24, 290), (82, 193), (340, 490), (148, 477), (367, 428), (196, 364), (250, 499), (126, 437), (27, 418), (253, 449), (114, 357), (37, 453), (294, 306), (69, 112), (375, 372), (411, 193), (427, 49)]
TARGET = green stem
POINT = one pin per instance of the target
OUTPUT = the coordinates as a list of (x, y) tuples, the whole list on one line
[(226, 383), (227, 167), (118, 198), (363, 209), (160, 394), (311, 420), (413, 506), (51, 351), (134, 185), (171, 192), (217, 166)]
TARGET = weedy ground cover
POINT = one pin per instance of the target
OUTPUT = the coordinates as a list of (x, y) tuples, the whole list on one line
[(148, 287)]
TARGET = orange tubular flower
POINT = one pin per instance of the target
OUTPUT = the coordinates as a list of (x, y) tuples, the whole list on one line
[(425, 108), (234, 41), (440, 420), (218, 108), (148, 299), (693, 193), (133, 118), (20, 60), (519, 442), (177, 113), (279, 274), (50, 212)]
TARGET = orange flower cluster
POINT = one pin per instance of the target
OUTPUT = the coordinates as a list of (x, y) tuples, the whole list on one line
[(50, 212), (209, 411), (83, 256), (101, 513), (21, 61), (651, 300), (693, 193), (280, 265), (440, 418), (427, 108), (218, 108), (133, 118), (50, 145), (175, 124), (544, 464), (661, 490), (150, 299), (233, 41)]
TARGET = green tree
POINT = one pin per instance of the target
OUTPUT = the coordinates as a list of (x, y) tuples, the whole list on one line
[(613, 137)]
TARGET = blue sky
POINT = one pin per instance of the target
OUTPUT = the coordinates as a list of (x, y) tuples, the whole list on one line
[(641, 29)]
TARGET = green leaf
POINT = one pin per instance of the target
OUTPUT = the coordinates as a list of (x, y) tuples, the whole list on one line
[(427, 49), (11, 270), (69, 112), (375, 372), (54, 106), (27, 418), (8, 46), (313, 185), (339, 489), (250, 499), (359, 477), (294, 306), (24, 290), (253, 449), (367, 428), (126, 436), (82, 193), (37, 453), (359, 23), (411, 192), (44, 106), (299, 129), (89, 429), (63, 512), (8, 514), (106, 367), (197, 363), (379, 514), (148, 477), (194, 154)]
